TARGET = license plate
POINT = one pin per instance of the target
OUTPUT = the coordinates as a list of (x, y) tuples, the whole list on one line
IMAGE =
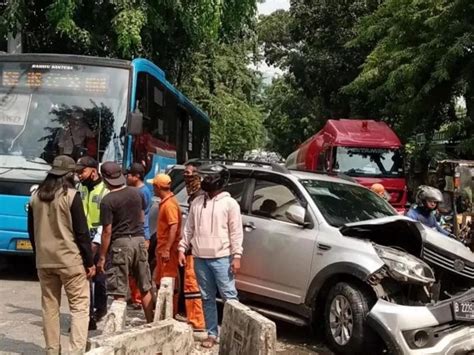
[(23, 244), (463, 311)]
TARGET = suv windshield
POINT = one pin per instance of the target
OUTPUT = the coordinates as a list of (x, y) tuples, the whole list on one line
[(343, 203), (51, 109), (370, 162)]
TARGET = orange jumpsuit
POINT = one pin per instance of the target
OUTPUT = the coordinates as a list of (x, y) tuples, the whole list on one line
[(169, 214), (192, 297)]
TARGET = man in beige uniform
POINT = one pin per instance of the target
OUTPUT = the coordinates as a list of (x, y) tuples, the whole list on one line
[(59, 234)]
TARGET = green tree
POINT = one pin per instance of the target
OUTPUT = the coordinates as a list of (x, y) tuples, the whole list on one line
[(290, 116), (204, 46), (309, 42), (422, 61), (229, 90), (164, 31)]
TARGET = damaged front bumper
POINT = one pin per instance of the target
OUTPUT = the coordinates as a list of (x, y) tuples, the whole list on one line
[(423, 329)]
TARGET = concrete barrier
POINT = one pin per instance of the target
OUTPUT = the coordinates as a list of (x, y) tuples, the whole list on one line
[(246, 332), (164, 300), (168, 337), (115, 318)]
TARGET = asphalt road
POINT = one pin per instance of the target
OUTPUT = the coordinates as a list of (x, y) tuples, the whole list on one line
[(21, 324)]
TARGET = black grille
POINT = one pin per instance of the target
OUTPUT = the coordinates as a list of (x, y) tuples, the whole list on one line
[(440, 258)]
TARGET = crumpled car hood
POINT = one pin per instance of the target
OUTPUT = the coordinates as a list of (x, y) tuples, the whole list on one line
[(406, 233)]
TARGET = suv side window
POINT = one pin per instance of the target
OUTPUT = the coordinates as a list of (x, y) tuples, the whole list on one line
[(272, 200), (236, 188)]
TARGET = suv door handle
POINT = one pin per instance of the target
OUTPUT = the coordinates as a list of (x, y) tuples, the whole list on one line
[(249, 226)]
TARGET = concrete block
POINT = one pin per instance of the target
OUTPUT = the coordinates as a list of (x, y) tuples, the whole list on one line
[(246, 332), (168, 337), (115, 318), (164, 300)]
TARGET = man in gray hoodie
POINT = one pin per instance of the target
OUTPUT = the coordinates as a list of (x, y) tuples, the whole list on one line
[(214, 230)]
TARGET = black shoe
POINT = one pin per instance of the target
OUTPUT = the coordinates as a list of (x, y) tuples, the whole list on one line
[(92, 324), (99, 314)]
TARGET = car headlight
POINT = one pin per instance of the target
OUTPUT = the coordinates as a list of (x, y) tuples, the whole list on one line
[(405, 267)]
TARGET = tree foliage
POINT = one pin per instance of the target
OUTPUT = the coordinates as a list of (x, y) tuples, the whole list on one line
[(422, 61), (229, 91), (291, 117), (309, 42), (204, 46), (162, 30)]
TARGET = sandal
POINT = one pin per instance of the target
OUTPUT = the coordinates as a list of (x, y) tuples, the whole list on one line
[(209, 342)]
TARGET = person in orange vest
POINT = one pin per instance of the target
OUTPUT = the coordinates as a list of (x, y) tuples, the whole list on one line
[(168, 233)]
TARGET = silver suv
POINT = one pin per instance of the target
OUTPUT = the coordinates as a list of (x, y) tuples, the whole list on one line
[(323, 250)]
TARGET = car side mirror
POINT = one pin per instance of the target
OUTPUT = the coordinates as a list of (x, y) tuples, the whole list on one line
[(296, 215), (135, 123)]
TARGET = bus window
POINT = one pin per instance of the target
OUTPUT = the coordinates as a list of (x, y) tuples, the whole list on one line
[(200, 145), (158, 107)]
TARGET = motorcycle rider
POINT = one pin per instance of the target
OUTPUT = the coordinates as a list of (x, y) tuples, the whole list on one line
[(427, 200)]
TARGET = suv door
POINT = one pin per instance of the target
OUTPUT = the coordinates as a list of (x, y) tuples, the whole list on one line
[(278, 253)]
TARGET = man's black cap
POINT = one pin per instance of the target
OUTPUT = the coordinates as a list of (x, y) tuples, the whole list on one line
[(86, 162), (112, 173), (136, 169)]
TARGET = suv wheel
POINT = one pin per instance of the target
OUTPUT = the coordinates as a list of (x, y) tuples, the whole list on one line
[(344, 319)]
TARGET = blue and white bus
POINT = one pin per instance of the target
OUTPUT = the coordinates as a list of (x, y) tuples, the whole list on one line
[(110, 109)]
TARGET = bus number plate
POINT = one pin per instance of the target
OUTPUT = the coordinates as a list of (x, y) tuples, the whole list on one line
[(23, 244)]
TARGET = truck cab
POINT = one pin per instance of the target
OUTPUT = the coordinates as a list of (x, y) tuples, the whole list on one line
[(366, 150)]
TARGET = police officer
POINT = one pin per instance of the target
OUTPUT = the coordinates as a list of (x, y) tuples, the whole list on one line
[(92, 191)]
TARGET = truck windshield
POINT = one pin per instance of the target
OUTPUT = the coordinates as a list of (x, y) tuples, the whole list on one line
[(51, 109), (337, 202), (369, 162)]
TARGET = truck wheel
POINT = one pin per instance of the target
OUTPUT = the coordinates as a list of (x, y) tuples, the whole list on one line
[(344, 319)]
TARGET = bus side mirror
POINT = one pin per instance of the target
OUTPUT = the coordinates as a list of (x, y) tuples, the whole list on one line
[(135, 123)]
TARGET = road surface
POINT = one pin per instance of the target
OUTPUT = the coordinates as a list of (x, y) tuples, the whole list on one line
[(21, 324)]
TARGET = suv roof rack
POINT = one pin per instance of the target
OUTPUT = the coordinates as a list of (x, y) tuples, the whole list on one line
[(275, 167)]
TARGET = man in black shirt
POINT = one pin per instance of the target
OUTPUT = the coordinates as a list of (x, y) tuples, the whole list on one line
[(122, 216)]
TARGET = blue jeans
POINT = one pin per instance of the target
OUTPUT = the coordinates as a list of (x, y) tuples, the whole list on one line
[(212, 275)]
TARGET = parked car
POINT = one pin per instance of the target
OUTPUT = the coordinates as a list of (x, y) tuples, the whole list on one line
[(323, 250)]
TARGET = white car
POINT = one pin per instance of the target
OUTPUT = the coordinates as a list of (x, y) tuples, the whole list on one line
[(325, 251)]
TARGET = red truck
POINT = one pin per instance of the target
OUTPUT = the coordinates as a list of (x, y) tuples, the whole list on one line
[(367, 150)]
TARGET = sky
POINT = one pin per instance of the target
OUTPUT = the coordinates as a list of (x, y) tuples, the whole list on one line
[(267, 8), (271, 5)]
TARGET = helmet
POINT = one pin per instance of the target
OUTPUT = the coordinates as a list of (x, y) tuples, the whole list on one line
[(214, 177), (428, 193)]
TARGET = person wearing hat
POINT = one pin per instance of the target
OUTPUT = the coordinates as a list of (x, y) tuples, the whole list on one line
[(135, 178), (168, 233), (58, 231), (93, 190), (122, 216)]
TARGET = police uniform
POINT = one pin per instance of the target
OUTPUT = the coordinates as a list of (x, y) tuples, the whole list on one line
[(91, 201)]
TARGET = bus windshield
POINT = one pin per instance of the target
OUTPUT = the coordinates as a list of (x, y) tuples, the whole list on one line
[(368, 162), (52, 109)]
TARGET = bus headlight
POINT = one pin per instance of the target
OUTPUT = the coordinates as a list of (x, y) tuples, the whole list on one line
[(405, 267)]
